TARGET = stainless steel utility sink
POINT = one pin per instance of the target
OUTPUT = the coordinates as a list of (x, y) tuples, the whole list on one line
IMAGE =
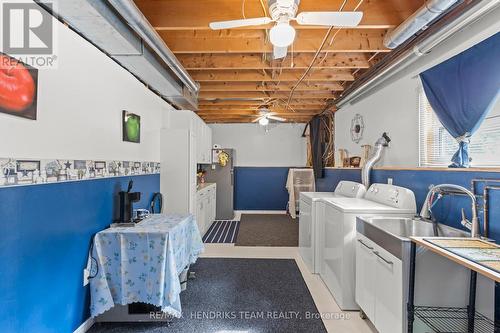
[(393, 234)]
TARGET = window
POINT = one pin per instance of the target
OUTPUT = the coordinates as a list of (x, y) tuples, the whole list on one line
[(437, 146)]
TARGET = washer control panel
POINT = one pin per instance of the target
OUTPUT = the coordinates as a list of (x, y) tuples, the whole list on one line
[(392, 195), (350, 189)]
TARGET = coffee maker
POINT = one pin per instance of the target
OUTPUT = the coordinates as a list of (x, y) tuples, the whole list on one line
[(126, 205)]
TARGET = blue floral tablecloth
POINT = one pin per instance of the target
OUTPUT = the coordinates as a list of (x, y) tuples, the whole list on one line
[(143, 263)]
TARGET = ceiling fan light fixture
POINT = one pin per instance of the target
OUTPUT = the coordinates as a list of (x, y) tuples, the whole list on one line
[(263, 121), (282, 34)]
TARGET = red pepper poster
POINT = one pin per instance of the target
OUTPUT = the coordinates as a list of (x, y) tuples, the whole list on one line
[(18, 88)]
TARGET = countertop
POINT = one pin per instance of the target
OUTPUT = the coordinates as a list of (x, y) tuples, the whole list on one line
[(474, 253), (203, 186)]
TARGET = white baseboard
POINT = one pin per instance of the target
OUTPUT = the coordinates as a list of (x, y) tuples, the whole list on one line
[(261, 211), (85, 326), (238, 213)]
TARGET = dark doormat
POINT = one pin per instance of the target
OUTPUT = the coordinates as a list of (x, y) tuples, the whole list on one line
[(238, 295), (268, 230), (222, 232)]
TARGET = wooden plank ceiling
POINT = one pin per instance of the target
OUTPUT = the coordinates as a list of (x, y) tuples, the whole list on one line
[(235, 67)]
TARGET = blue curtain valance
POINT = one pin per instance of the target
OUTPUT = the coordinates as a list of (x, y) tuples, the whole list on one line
[(462, 90)]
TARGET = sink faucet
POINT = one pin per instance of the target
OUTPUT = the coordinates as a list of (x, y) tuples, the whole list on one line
[(443, 189)]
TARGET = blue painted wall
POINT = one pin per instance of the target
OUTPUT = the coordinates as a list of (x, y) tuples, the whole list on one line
[(448, 208), (333, 177), (263, 188), (260, 188), (45, 233)]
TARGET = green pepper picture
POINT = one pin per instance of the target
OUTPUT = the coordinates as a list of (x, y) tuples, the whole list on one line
[(131, 127)]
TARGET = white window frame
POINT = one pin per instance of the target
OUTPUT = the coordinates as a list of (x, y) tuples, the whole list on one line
[(483, 147)]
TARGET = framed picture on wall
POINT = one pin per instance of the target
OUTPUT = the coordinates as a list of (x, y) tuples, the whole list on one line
[(131, 124), (18, 88)]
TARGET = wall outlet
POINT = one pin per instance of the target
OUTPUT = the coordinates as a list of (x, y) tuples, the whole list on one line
[(86, 275), (389, 181)]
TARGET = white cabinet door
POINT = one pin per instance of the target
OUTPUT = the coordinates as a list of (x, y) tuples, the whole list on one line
[(365, 276), (200, 214), (389, 289), (192, 173), (208, 210), (214, 203), (199, 142), (208, 138), (204, 143)]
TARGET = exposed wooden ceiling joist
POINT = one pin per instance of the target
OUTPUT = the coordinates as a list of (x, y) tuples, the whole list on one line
[(281, 108), (307, 41), (256, 113), (235, 67), (248, 119), (264, 95), (257, 61), (243, 120), (197, 14), (235, 102), (269, 86), (327, 75)]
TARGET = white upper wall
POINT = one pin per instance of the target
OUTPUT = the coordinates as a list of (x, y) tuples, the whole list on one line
[(80, 107), (282, 145), (394, 108)]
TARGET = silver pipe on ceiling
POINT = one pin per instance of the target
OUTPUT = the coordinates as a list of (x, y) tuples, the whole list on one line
[(136, 20), (417, 21), (470, 16)]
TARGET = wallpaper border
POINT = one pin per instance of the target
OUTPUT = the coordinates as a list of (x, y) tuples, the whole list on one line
[(26, 171)]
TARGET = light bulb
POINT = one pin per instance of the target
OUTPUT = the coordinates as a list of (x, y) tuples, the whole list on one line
[(282, 35), (264, 121)]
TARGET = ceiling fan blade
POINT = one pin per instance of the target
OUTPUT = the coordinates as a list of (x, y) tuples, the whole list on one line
[(279, 52), (258, 118), (239, 23), (276, 118), (337, 19)]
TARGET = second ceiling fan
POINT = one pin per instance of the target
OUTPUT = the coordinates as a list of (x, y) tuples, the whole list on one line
[(282, 34), (265, 115)]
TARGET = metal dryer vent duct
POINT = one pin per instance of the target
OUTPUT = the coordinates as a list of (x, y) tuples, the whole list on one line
[(381, 143), (417, 21)]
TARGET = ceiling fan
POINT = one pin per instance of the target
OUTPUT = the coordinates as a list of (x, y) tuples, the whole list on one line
[(282, 34), (265, 115)]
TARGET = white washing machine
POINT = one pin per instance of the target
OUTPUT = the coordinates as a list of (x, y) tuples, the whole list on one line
[(338, 230), (310, 210)]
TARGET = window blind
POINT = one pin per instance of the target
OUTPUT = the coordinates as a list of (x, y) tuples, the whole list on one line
[(437, 146)]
